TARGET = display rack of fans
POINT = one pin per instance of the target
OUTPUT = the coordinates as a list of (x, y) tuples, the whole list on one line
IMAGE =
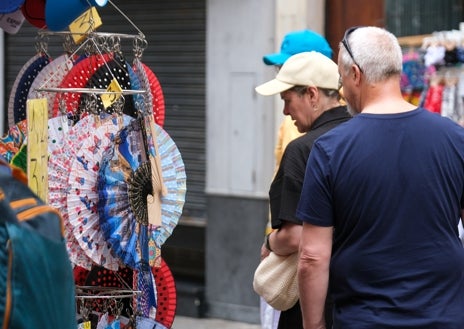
[(114, 173)]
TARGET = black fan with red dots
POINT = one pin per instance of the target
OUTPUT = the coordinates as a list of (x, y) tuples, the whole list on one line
[(164, 280)]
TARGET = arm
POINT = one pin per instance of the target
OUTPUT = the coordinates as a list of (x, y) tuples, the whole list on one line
[(283, 241), (313, 273)]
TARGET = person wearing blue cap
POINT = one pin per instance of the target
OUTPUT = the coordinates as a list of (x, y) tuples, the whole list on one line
[(294, 43), (297, 42)]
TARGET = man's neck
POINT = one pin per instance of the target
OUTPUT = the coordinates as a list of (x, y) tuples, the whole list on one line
[(385, 98)]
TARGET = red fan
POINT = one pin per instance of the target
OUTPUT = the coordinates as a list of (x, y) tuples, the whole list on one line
[(149, 81), (77, 77), (116, 68), (166, 294)]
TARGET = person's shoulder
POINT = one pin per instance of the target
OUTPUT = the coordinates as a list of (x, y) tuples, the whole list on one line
[(437, 118)]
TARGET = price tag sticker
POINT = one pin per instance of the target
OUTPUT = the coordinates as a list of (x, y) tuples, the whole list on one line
[(114, 92), (37, 146), (12, 22), (84, 325), (87, 22)]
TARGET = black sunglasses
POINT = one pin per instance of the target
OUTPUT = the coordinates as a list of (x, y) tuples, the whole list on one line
[(347, 45)]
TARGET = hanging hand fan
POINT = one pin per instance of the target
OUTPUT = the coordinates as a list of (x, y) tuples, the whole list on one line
[(99, 276), (21, 86), (125, 181), (119, 223), (11, 142), (165, 294), (82, 198), (20, 159), (78, 76), (51, 76), (138, 98), (155, 98), (59, 167), (101, 79)]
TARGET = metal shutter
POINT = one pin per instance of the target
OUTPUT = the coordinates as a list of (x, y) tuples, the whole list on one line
[(411, 17), (176, 35)]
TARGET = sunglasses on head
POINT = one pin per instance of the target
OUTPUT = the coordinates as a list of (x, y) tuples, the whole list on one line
[(347, 45)]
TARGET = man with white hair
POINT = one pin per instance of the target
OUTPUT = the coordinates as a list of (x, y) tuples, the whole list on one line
[(381, 203)]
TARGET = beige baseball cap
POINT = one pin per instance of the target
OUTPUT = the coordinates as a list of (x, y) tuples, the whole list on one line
[(304, 69)]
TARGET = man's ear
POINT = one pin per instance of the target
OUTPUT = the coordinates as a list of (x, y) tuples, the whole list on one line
[(356, 74)]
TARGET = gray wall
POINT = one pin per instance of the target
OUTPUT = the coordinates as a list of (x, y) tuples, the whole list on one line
[(233, 240)]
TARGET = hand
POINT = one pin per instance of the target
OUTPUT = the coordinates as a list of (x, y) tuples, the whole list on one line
[(264, 251)]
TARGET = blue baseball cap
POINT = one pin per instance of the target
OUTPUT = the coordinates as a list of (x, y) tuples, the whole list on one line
[(298, 42)]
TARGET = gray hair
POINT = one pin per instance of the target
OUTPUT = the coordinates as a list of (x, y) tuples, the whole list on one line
[(376, 51), (330, 93)]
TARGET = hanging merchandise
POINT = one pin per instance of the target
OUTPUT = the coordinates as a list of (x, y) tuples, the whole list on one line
[(20, 159), (77, 78), (21, 86), (62, 140), (51, 76), (82, 198), (116, 68), (433, 74), (12, 141), (9, 6), (12, 22), (34, 12), (114, 174), (166, 294), (125, 180), (60, 14), (413, 80), (155, 99)]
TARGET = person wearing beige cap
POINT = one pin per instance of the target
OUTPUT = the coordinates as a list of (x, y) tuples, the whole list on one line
[(308, 86)]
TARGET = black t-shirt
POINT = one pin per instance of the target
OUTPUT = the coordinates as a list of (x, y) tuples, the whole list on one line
[(285, 189)]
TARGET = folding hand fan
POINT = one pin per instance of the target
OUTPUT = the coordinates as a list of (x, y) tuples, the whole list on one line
[(78, 76), (21, 86), (59, 168), (125, 181), (155, 97), (116, 68), (82, 198), (12, 141), (51, 76)]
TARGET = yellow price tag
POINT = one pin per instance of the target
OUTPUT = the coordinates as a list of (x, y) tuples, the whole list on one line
[(85, 325), (87, 22), (37, 146), (115, 91)]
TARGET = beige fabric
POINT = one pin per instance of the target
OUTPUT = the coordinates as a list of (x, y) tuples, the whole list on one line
[(276, 281)]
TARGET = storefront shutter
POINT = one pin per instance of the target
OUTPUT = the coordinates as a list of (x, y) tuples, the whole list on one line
[(176, 35)]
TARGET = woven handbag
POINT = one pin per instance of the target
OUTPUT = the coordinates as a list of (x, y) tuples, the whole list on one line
[(275, 280)]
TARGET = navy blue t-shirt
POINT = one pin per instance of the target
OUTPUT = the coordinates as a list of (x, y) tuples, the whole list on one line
[(392, 187)]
